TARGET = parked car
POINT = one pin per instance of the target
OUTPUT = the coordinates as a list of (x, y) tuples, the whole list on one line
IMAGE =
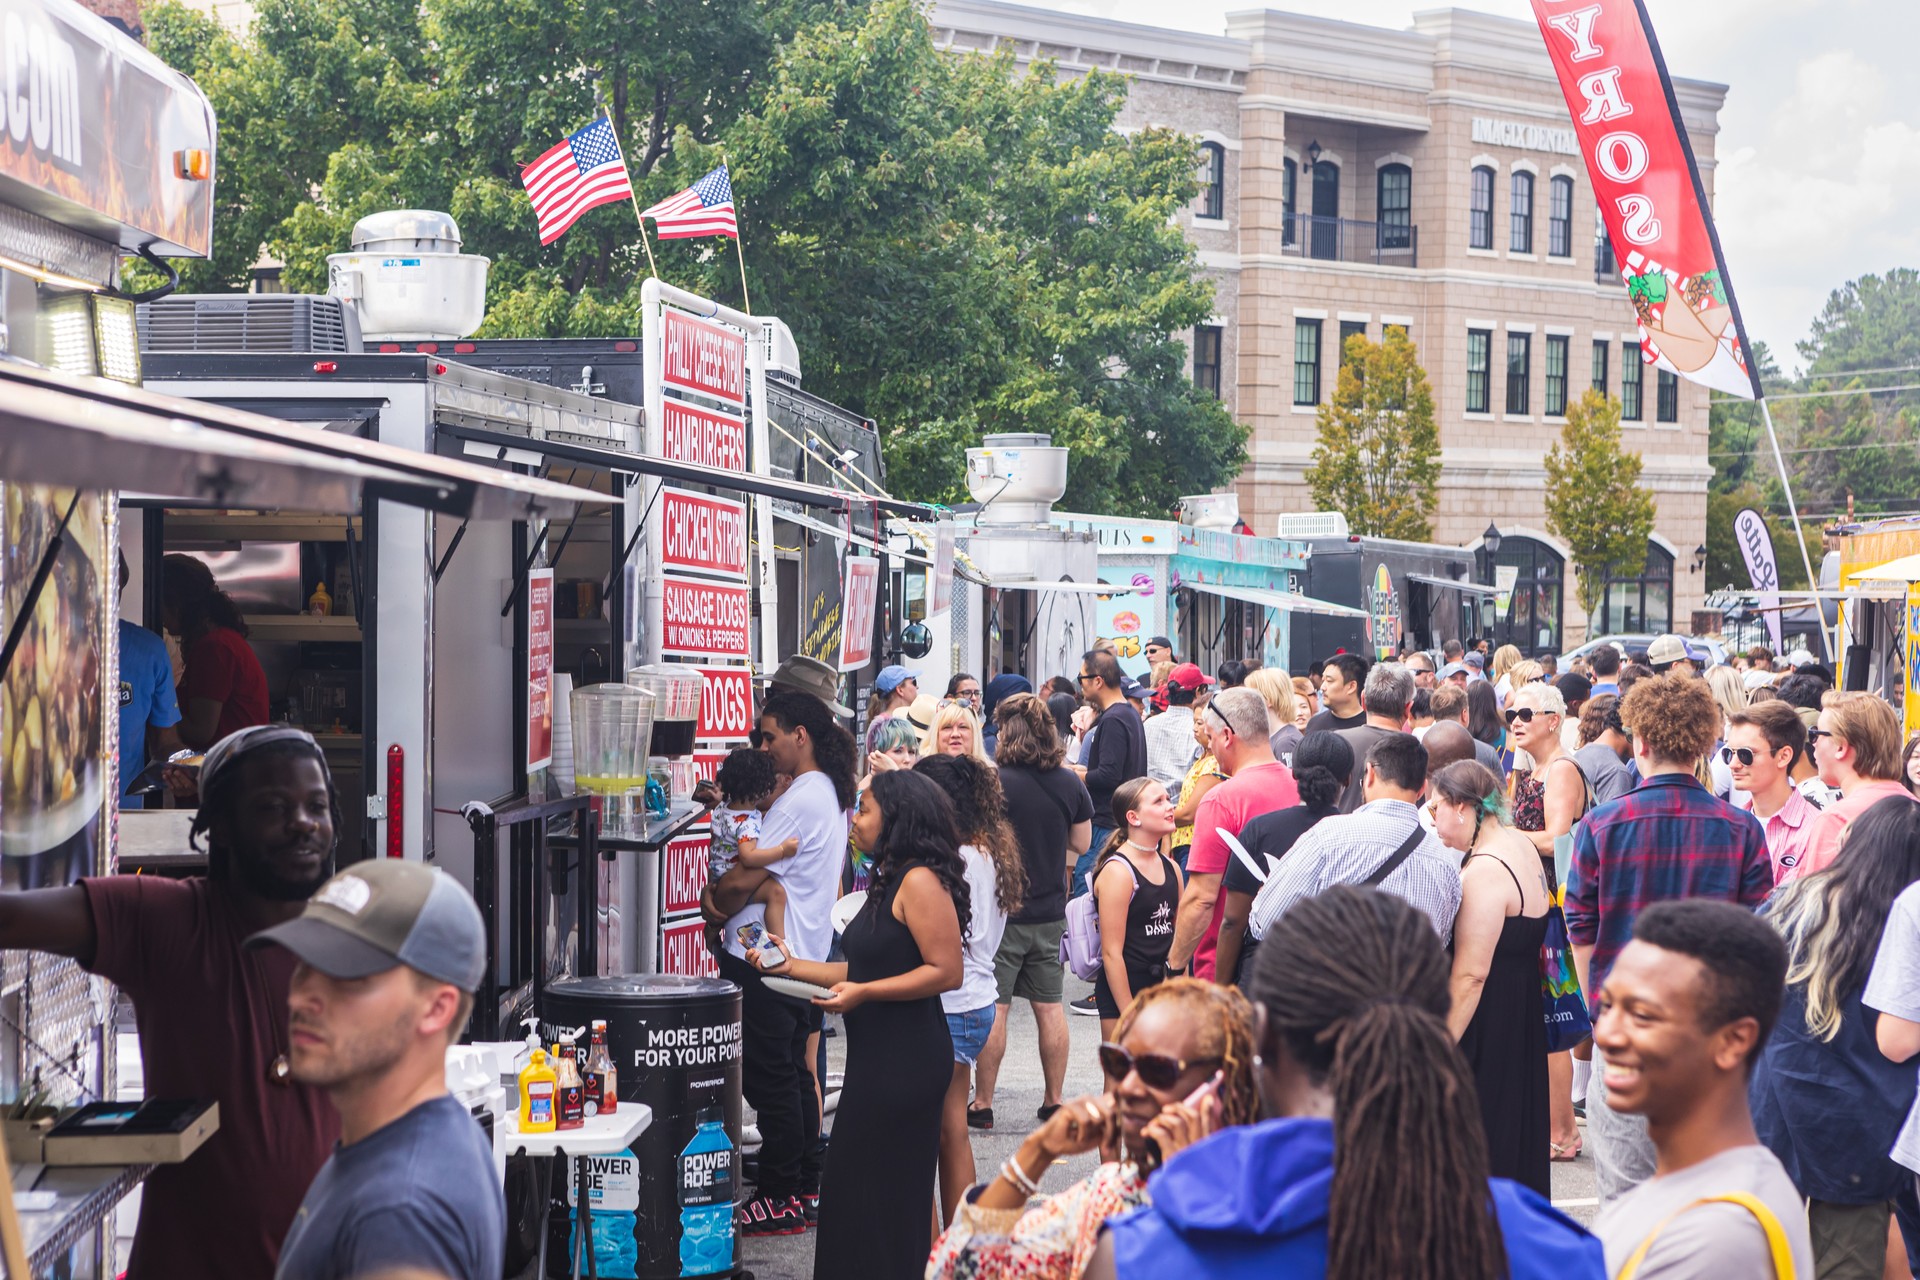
[(1634, 646)]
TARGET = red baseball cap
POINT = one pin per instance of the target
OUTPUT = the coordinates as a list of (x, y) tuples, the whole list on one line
[(1188, 677)]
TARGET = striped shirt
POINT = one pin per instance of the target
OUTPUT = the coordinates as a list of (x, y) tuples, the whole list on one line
[(1348, 849), (1171, 749), (1667, 838)]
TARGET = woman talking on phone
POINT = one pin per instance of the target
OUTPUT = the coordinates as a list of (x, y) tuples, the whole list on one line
[(1182, 1067), (903, 950)]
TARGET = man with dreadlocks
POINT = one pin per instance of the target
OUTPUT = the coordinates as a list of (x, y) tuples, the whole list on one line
[(1377, 1163), (212, 1017)]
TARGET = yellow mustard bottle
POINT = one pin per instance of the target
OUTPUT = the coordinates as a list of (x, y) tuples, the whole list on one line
[(320, 603), (539, 1095)]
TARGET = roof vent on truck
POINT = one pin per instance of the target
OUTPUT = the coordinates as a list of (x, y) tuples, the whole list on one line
[(1302, 525), (408, 280)]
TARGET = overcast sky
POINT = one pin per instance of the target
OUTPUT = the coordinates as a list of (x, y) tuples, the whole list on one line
[(1819, 179)]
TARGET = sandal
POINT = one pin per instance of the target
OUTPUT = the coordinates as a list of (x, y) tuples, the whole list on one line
[(979, 1117), (1565, 1154)]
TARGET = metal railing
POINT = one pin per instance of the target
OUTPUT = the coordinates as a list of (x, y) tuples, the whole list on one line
[(1387, 244), (551, 901)]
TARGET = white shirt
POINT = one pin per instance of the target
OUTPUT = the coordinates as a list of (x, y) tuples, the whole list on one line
[(1347, 849), (978, 987), (811, 811)]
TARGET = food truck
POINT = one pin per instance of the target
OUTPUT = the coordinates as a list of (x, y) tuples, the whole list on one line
[(1878, 584)]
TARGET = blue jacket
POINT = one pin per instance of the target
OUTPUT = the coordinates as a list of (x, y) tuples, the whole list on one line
[(1250, 1203)]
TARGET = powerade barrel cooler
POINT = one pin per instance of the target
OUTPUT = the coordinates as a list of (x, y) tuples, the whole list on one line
[(664, 1208)]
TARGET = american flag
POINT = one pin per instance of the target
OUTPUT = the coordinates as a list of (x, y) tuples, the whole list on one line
[(703, 209), (582, 172)]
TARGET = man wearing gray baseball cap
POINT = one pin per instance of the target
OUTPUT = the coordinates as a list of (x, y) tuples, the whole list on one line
[(388, 955)]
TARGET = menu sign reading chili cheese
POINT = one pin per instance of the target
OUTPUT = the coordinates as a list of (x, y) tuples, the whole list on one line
[(702, 357)]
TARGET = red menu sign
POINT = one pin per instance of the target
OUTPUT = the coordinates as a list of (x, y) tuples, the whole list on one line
[(683, 949), (706, 764), (698, 355), (726, 703), (683, 873), (693, 434), (539, 669), (702, 533), (703, 619), (859, 596)]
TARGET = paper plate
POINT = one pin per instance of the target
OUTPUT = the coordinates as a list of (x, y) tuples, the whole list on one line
[(794, 987), (845, 910)]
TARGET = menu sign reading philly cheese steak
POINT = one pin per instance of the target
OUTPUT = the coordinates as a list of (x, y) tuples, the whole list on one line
[(704, 358)]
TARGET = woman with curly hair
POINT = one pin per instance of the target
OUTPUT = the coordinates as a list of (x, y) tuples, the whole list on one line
[(1497, 1015), (1173, 1041), (903, 950), (997, 879)]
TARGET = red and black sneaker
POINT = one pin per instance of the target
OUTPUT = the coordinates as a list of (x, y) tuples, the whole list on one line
[(810, 1206), (770, 1216)]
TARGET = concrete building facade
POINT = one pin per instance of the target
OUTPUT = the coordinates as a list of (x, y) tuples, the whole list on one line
[(1356, 178)]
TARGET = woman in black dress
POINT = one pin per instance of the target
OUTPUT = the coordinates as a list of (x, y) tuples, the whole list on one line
[(1498, 1016), (903, 950)]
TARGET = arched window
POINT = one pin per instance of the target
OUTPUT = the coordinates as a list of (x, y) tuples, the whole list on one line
[(1522, 241), (1533, 617), (1395, 183), (1560, 217), (1480, 212), (1639, 604), (1213, 181)]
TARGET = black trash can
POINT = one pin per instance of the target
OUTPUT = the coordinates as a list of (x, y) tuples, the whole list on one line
[(665, 1207)]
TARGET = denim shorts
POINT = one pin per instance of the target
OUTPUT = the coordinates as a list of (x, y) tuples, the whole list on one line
[(969, 1032)]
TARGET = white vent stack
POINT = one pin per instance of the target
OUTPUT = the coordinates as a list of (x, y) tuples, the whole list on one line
[(1210, 510), (407, 278), (1302, 525), (1016, 478)]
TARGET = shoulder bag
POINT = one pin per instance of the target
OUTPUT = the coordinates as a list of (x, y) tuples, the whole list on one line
[(1777, 1244), (1400, 855), (1564, 1005)]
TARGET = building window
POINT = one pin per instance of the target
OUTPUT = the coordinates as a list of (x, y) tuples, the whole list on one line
[(1479, 371), (1600, 349), (1522, 217), (1213, 180), (1306, 362), (1605, 269), (1630, 374), (1348, 328), (1480, 215), (1560, 218), (1557, 375), (1643, 603), (1396, 206), (1289, 191), (1532, 621), (1666, 405), (1400, 329), (1519, 361), (1206, 358)]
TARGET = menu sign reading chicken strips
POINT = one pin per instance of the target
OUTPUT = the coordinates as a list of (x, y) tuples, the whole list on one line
[(1649, 190)]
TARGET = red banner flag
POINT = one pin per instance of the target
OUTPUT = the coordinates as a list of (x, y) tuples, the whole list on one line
[(1649, 189)]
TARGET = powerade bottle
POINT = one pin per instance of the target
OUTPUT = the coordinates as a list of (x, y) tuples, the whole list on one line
[(706, 1198)]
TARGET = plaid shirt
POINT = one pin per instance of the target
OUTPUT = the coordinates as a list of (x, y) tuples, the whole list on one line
[(1667, 838), (1171, 749)]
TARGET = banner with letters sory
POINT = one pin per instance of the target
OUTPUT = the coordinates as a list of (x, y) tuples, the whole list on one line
[(1648, 186)]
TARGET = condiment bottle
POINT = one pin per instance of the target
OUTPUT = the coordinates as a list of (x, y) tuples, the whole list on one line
[(603, 1094), (572, 1105), (320, 603), (539, 1086)]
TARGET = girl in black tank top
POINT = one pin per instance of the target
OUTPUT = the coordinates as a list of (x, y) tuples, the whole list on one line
[(1144, 819)]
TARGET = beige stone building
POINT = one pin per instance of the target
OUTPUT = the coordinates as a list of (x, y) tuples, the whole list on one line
[(1356, 178)]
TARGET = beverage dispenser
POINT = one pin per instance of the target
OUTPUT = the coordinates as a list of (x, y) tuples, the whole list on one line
[(676, 693)]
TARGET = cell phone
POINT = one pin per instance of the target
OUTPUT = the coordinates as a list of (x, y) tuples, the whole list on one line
[(1206, 1090), (753, 936)]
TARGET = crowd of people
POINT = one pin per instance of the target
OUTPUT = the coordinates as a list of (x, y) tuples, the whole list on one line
[(1319, 915)]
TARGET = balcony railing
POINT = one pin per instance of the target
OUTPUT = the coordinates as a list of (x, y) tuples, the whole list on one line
[(1386, 244)]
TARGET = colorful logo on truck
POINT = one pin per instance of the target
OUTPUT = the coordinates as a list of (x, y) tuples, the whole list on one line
[(1383, 614)]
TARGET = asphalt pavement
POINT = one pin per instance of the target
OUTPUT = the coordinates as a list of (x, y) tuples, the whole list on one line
[(1016, 1099)]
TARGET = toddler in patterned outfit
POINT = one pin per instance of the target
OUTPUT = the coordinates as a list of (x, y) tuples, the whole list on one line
[(748, 787)]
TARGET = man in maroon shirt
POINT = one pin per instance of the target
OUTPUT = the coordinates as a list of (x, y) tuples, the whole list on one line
[(213, 1017)]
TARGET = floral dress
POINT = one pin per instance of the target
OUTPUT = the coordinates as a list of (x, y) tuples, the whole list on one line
[(1051, 1238)]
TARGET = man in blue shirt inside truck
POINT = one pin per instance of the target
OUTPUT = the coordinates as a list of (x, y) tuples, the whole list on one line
[(148, 708)]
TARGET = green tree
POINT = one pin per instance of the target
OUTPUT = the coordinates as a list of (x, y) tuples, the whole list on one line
[(958, 249), (1859, 447), (1594, 500), (1736, 438), (1377, 458)]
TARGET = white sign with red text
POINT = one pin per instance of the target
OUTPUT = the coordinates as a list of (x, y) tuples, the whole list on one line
[(683, 949), (701, 619), (859, 596), (683, 872), (689, 433), (700, 356), (726, 703), (703, 534)]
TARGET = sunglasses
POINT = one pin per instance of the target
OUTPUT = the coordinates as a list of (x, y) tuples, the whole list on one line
[(1156, 1070), (1225, 723), (1814, 735), (1523, 715), (1745, 755)]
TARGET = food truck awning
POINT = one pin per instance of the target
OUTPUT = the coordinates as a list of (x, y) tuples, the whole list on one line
[(1902, 571), (1455, 584), (1083, 588), (508, 445), (419, 479), (1286, 601), (49, 436)]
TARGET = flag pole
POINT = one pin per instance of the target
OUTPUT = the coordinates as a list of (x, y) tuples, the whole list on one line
[(739, 242), (1786, 487), (632, 195)]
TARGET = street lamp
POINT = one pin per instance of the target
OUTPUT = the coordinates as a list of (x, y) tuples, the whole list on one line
[(1699, 558), (1490, 543), (1313, 154)]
